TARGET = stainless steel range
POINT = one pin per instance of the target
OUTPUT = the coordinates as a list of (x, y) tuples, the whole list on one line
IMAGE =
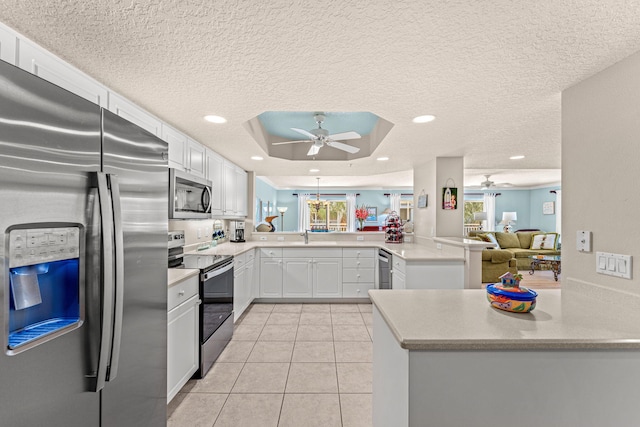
[(216, 310)]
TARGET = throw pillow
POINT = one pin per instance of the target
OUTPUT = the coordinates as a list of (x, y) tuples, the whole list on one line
[(507, 240), (550, 241), (483, 236), (544, 241), (536, 242), (492, 239)]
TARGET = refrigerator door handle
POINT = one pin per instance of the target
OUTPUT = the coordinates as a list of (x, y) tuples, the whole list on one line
[(106, 321), (119, 276)]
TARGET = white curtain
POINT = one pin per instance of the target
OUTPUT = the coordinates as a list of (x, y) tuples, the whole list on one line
[(490, 208), (351, 213), (394, 202), (559, 213), (303, 211)]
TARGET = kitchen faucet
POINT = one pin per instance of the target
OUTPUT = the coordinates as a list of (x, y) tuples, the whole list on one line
[(306, 236)]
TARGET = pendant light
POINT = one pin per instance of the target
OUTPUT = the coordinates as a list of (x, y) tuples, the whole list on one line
[(317, 204)]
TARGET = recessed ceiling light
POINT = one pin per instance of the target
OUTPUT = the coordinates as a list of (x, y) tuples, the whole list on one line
[(424, 119), (215, 119), (257, 158), (383, 158), (314, 170), (516, 157)]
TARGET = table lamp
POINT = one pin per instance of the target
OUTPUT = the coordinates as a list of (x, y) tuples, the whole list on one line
[(507, 219), (480, 216)]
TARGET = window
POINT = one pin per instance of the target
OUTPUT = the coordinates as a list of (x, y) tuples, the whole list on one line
[(331, 216), (406, 209), (471, 207)]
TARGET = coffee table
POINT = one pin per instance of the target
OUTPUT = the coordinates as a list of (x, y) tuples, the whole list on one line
[(553, 260)]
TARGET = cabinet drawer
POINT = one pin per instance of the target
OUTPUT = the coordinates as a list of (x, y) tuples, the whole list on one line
[(182, 291), (356, 290), (250, 255), (311, 253), (271, 252), (239, 261), (358, 262), (358, 252), (357, 275), (399, 264)]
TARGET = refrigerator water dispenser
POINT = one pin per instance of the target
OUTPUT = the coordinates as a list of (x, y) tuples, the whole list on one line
[(45, 285)]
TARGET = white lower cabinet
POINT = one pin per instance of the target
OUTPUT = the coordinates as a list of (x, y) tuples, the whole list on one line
[(182, 334), (358, 273), (243, 283), (327, 277), (271, 273), (297, 275)]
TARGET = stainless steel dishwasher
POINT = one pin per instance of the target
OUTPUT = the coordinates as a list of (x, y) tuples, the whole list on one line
[(384, 269)]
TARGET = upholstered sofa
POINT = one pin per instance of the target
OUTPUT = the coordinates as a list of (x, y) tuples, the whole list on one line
[(520, 245)]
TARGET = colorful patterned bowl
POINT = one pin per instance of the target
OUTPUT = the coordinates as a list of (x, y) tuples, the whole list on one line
[(516, 299)]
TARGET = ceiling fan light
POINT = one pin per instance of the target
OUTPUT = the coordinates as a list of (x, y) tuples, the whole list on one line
[(424, 119)]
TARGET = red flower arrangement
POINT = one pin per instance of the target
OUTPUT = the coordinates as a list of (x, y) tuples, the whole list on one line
[(361, 214)]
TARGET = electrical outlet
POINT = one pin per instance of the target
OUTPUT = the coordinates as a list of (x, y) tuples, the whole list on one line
[(360, 238), (280, 238), (199, 233), (438, 245), (583, 241), (263, 237)]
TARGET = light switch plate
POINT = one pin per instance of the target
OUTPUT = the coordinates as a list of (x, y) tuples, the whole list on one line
[(360, 238), (583, 241), (614, 264), (281, 238), (263, 237)]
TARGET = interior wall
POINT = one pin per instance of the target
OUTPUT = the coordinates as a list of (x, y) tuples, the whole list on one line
[(538, 219), (600, 152), (424, 179), (449, 172)]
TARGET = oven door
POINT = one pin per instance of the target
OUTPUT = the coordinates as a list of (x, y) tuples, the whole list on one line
[(216, 292)]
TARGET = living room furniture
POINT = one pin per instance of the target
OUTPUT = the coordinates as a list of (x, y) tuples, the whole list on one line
[(517, 244), (553, 261)]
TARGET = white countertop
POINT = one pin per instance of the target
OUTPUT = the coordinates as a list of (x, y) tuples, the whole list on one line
[(464, 320), (177, 275), (407, 251)]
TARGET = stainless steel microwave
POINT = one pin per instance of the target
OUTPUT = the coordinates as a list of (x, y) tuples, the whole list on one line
[(189, 196)]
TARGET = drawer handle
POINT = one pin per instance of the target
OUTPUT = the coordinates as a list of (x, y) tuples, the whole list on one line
[(181, 293), (358, 263)]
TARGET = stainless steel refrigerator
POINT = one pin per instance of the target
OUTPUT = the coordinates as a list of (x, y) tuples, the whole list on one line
[(83, 289)]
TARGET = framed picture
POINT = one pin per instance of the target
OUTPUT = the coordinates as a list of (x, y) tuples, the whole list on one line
[(449, 198), (373, 214), (548, 208), (422, 201)]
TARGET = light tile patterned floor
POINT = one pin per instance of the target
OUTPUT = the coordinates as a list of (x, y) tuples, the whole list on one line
[(287, 365)]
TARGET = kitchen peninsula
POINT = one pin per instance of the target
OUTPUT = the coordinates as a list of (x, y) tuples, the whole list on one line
[(449, 359)]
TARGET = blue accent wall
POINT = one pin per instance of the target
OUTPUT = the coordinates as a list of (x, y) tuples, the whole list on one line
[(528, 205)]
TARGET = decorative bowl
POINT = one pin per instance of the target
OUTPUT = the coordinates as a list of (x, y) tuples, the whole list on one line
[(516, 299)]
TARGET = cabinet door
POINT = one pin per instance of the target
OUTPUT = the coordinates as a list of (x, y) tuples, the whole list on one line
[(177, 146), (241, 192), (182, 345), (270, 277), (136, 115), (43, 64), (398, 280), (297, 276), (230, 198), (240, 294), (8, 43), (252, 279), (327, 277), (215, 174), (195, 158)]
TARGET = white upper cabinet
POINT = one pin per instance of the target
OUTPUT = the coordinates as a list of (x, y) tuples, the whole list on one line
[(195, 158), (241, 191), (8, 43), (177, 146), (214, 173), (136, 115), (230, 198), (47, 66)]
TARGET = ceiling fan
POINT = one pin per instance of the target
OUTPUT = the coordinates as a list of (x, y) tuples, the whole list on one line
[(321, 136), (487, 183)]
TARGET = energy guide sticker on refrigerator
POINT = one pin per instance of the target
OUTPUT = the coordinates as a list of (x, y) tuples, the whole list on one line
[(83, 287)]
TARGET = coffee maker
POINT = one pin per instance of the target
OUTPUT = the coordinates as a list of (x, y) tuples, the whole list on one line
[(237, 231)]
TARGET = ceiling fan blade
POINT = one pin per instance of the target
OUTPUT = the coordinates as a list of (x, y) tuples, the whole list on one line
[(313, 150), (344, 136), (290, 142), (305, 133), (343, 147)]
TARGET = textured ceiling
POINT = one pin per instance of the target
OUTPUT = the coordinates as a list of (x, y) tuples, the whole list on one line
[(491, 72)]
